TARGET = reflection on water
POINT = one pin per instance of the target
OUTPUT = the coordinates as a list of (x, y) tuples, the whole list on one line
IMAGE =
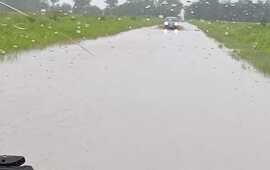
[(8, 58), (165, 31), (150, 102)]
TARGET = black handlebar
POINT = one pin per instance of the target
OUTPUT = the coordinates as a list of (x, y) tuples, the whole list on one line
[(13, 163)]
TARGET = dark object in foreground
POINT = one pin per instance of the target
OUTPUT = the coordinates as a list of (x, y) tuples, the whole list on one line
[(13, 163)]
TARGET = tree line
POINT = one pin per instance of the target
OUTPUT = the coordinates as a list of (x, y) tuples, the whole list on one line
[(243, 10), (149, 8), (129, 8)]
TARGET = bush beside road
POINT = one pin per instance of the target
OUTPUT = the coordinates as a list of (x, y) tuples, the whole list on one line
[(20, 33), (250, 41)]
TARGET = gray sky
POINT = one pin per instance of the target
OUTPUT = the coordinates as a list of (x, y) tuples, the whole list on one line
[(99, 3)]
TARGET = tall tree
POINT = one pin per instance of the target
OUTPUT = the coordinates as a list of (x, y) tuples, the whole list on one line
[(111, 3), (54, 2), (242, 10), (149, 8), (80, 6), (65, 7)]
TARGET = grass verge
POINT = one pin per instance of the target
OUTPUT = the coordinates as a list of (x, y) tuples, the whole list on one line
[(19, 33), (250, 41)]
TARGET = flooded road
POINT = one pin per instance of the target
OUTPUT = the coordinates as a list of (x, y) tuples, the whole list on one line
[(147, 100)]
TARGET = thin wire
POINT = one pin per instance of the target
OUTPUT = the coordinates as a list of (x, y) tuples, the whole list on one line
[(78, 44), (14, 9), (28, 16)]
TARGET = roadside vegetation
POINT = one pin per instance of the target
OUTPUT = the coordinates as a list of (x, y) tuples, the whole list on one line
[(19, 33), (55, 21), (250, 41), (239, 25)]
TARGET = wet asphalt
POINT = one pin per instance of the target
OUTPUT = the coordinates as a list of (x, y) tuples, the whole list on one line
[(148, 99)]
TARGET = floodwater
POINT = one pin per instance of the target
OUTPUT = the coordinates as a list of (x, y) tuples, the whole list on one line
[(147, 100)]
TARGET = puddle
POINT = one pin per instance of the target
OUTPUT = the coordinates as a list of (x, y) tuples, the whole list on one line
[(145, 100)]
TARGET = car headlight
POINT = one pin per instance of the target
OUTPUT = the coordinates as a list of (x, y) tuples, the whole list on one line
[(166, 23), (176, 24)]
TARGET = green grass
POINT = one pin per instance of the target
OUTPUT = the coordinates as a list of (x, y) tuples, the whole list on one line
[(250, 41), (19, 33)]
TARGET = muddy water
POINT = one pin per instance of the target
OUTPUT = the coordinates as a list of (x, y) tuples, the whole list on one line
[(147, 100)]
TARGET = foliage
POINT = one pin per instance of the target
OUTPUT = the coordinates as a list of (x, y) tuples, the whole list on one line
[(111, 3), (250, 41), (54, 2), (18, 33), (130, 8), (80, 6), (230, 11), (149, 8)]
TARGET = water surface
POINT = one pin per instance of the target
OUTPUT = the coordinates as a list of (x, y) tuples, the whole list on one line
[(147, 100)]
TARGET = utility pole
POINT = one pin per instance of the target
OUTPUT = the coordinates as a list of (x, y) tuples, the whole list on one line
[(155, 3)]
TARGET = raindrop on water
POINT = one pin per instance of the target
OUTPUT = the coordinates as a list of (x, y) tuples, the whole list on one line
[(148, 6), (2, 51), (161, 16), (43, 11), (19, 27), (164, 3), (255, 45), (4, 25), (15, 46)]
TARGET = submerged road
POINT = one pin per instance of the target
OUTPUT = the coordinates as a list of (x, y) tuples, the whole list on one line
[(147, 100)]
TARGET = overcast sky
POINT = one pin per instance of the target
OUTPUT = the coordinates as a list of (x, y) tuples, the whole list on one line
[(99, 3)]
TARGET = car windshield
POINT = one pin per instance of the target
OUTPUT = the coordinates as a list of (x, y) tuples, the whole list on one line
[(135, 84), (171, 19)]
